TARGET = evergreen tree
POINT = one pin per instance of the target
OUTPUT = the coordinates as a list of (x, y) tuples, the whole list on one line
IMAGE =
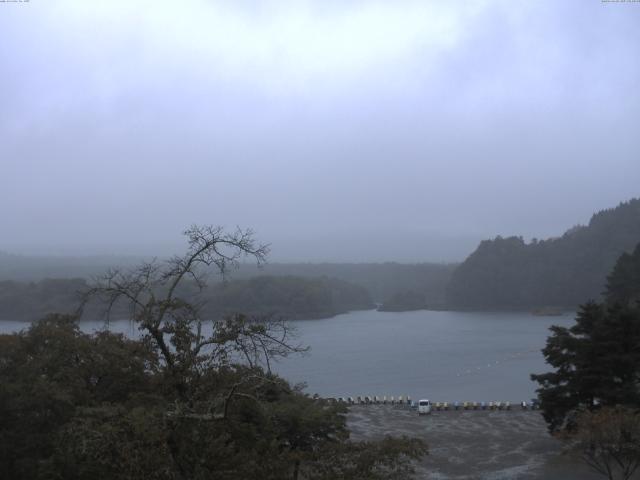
[(623, 284), (597, 360)]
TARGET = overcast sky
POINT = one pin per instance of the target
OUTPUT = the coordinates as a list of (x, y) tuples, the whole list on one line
[(338, 130)]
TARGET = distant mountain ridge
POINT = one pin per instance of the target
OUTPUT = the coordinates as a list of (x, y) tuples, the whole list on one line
[(508, 273)]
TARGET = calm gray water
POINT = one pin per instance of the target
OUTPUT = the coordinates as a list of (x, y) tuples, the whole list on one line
[(443, 356)]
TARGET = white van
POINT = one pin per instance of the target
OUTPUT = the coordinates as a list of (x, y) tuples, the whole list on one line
[(424, 407)]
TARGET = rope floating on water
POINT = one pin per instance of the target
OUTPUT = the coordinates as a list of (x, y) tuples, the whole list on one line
[(513, 356)]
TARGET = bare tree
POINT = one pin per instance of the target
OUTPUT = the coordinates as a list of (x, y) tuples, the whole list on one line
[(608, 440), (189, 345)]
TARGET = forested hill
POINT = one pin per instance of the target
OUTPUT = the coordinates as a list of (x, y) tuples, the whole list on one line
[(382, 280), (289, 297), (510, 273)]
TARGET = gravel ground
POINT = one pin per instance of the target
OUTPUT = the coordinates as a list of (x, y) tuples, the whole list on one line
[(492, 445)]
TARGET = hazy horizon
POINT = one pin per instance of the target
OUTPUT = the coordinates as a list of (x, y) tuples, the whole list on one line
[(155, 251), (339, 131)]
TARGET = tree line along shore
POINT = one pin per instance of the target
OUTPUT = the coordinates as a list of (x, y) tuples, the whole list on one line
[(506, 273)]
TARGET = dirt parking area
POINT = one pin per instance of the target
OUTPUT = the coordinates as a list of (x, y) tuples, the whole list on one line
[(474, 444)]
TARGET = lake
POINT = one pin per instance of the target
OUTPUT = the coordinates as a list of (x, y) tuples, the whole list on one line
[(443, 356)]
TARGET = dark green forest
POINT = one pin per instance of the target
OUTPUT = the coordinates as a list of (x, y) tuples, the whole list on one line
[(382, 280), (509, 273), (404, 302), (290, 297), (623, 284), (101, 406), (29, 301)]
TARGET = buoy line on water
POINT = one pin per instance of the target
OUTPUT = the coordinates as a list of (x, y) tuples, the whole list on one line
[(513, 356)]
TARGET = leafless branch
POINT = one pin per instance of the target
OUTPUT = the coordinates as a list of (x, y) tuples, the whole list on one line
[(154, 290)]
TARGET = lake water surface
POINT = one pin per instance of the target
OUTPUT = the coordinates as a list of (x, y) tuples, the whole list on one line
[(443, 356)]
